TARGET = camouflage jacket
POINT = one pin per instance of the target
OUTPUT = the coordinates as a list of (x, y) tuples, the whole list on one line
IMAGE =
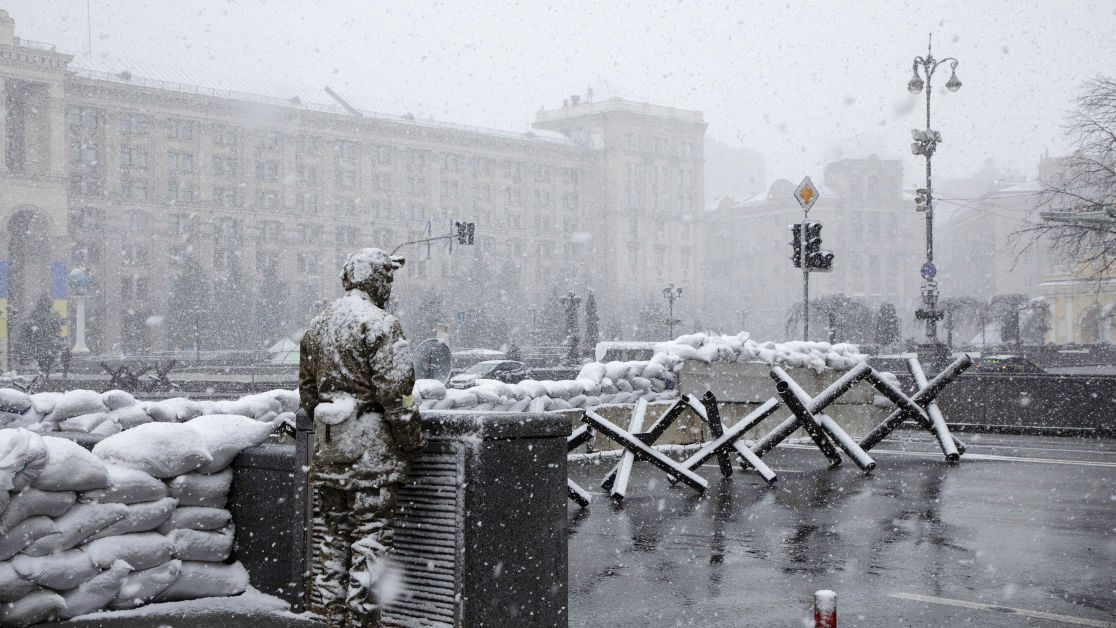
[(356, 348)]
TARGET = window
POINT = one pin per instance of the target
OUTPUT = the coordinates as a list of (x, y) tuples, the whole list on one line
[(225, 167), (180, 191), (307, 202), (179, 129), (383, 183), (268, 231), (633, 253), (416, 160), (451, 162), (345, 178), (513, 170), (344, 150), (268, 140), (225, 197), (226, 135), (267, 170), (416, 186), (344, 207), (133, 254), (180, 163), (82, 118), (133, 189), (133, 123), (382, 155), (132, 157), (267, 262), (267, 199), (307, 175)]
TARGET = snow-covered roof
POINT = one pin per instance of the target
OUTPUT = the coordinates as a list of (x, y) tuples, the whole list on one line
[(187, 79)]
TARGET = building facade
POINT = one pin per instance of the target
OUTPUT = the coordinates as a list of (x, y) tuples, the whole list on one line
[(867, 221), (147, 183)]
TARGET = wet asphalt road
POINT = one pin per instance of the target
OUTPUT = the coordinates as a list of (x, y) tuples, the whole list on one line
[(1021, 529)]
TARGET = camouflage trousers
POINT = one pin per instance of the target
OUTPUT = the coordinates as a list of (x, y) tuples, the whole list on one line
[(350, 538)]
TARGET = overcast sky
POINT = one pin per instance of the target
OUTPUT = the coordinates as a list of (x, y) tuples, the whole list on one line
[(786, 79)]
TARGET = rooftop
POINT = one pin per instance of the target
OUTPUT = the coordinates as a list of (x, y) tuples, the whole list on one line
[(575, 107), (188, 81)]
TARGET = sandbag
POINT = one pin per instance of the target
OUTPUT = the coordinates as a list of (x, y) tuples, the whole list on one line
[(12, 585), (70, 467), (142, 517), (202, 545), (59, 571), (78, 524), (196, 518), (139, 587), (142, 551), (174, 410), (25, 532), (14, 401), (199, 489), (127, 486), (226, 435), (74, 403), (95, 593), (117, 399), (130, 416), (22, 458), (199, 579), (83, 422), (161, 449), (31, 502), (107, 428), (35, 608)]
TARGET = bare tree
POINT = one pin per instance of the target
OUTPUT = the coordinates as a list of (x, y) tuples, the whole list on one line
[(1079, 203)]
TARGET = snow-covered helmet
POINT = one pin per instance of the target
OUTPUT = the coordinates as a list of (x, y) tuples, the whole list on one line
[(370, 270)]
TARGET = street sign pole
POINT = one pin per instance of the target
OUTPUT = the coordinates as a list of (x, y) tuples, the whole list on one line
[(806, 194), (805, 282)]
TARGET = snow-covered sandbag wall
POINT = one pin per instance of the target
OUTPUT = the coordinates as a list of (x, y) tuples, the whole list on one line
[(141, 518), (600, 383)]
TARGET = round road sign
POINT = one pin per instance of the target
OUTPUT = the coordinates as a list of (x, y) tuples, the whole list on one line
[(928, 271)]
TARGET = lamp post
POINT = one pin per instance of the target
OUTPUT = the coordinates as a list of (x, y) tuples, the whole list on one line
[(925, 142), (81, 280), (671, 293)]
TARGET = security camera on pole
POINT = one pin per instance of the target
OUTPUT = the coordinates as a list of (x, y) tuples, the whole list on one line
[(808, 254)]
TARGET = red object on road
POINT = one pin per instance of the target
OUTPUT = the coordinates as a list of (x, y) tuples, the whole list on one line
[(825, 609)]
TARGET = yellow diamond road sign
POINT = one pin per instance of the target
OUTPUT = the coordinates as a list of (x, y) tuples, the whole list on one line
[(806, 194)]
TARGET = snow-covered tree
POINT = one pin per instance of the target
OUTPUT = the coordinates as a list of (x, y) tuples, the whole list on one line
[(592, 322), (887, 325), (188, 306)]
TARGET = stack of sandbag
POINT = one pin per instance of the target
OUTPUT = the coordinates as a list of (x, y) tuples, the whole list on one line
[(141, 518), (114, 411)]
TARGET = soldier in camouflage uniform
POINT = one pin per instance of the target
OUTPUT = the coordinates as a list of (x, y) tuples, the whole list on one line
[(355, 380)]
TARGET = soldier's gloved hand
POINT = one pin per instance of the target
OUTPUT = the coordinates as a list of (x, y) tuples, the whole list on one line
[(405, 427)]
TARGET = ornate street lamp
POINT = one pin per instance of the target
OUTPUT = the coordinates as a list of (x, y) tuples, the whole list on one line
[(925, 142), (671, 293)]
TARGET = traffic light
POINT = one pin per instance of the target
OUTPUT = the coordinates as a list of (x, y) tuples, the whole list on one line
[(816, 259), (465, 232), (922, 199), (796, 243)]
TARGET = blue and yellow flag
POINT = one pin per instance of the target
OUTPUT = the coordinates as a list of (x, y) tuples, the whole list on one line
[(58, 294)]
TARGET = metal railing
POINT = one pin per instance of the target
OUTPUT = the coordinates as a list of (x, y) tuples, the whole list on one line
[(34, 45)]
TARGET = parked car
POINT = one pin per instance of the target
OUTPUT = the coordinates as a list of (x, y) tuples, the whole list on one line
[(1006, 364), (507, 371)]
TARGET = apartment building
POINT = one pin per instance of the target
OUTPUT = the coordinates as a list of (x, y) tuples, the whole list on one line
[(130, 176)]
